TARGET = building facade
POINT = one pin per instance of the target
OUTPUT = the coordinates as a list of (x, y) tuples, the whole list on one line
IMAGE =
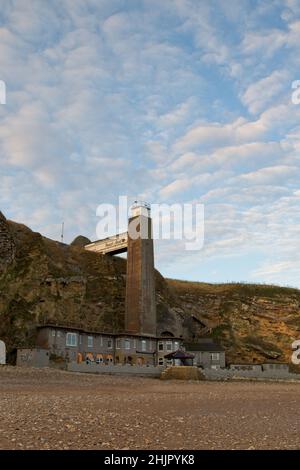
[(33, 357), (77, 345), (207, 353)]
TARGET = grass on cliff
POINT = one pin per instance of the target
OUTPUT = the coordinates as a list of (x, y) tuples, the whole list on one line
[(236, 288)]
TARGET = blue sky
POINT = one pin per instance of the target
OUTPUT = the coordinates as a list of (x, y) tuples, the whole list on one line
[(176, 101)]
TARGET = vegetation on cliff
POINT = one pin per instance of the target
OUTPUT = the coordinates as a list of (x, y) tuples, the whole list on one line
[(253, 322)]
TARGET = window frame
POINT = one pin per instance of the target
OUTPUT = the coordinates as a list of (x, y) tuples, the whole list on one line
[(71, 344), (215, 356)]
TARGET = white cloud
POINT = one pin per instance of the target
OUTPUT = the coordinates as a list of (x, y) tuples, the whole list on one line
[(271, 174), (275, 119), (271, 40), (175, 187), (105, 99), (263, 92), (176, 115), (279, 272)]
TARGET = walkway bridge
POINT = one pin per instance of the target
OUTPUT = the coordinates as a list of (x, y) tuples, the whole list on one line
[(110, 245)]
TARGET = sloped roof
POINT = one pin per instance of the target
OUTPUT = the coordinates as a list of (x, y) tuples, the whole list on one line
[(209, 346), (179, 354)]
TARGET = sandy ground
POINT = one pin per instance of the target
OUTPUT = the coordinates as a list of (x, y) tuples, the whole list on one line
[(48, 409)]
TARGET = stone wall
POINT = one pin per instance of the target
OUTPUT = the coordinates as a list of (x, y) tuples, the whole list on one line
[(227, 374), (149, 371), (34, 357)]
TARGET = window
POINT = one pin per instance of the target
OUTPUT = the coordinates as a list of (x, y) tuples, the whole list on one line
[(109, 358), (134, 344), (53, 332), (71, 339), (215, 356), (109, 343), (169, 345), (160, 361), (160, 346), (90, 341), (144, 345), (58, 334), (99, 359), (127, 343), (176, 345), (118, 344), (80, 339)]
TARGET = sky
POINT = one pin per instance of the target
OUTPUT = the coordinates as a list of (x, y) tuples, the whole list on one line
[(180, 101)]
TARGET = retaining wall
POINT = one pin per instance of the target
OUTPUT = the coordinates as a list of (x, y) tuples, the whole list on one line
[(150, 371), (223, 374)]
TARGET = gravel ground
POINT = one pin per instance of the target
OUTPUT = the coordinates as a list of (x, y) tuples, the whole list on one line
[(49, 409)]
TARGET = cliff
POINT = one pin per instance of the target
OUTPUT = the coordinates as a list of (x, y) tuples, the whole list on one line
[(253, 322), (44, 281)]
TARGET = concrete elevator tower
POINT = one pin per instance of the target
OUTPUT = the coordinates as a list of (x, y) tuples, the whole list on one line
[(140, 311)]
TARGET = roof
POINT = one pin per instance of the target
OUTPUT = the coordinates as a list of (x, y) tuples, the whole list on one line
[(179, 354), (69, 327), (209, 346), (73, 328)]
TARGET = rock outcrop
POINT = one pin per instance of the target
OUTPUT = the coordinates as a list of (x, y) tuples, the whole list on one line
[(7, 245), (80, 241)]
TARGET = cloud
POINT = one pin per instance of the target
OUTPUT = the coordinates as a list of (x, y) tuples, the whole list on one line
[(153, 100), (177, 115), (277, 118), (174, 187), (271, 174), (276, 272), (271, 40), (236, 157), (263, 92)]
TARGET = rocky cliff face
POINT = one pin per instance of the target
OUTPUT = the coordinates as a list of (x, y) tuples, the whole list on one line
[(253, 322), (44, 281), (7, 246)]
